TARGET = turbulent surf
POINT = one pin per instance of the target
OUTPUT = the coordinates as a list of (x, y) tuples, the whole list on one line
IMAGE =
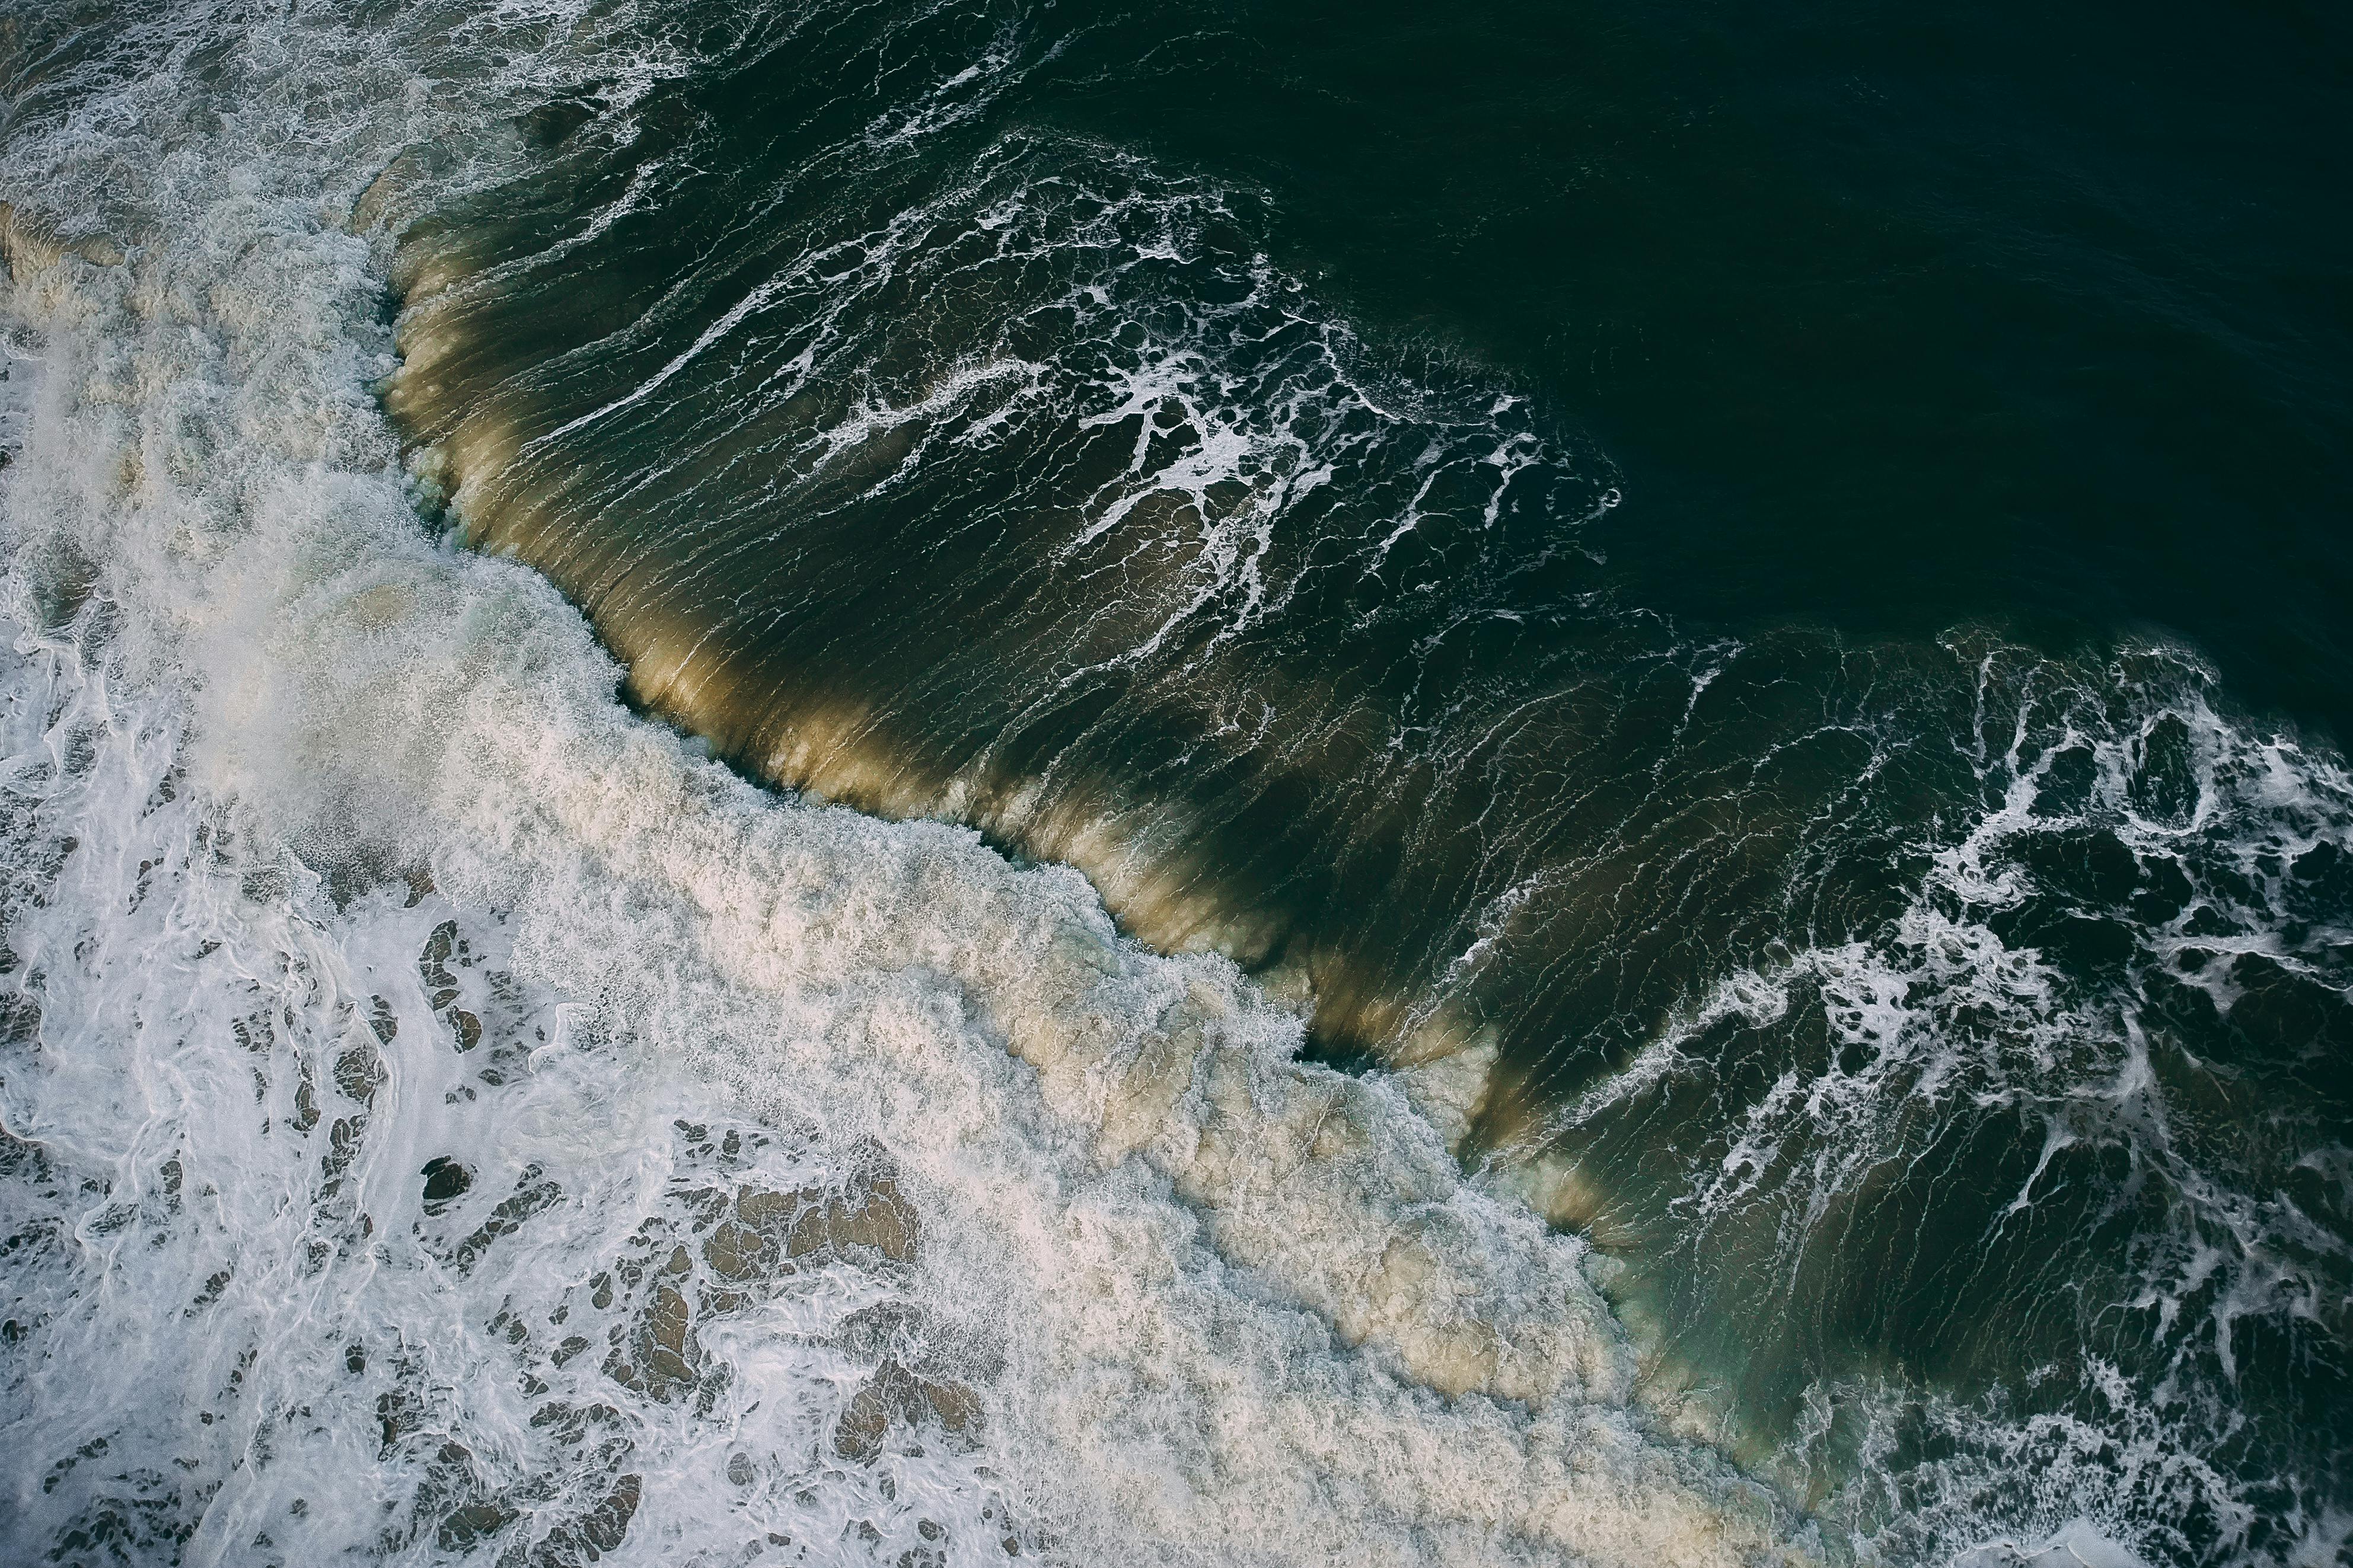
[(763, 807)]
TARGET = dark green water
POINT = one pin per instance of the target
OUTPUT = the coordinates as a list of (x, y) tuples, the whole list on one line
[(1888, 317), (1771, 581)]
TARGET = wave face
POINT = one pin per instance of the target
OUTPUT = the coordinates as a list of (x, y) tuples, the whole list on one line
[(1910, 1071)]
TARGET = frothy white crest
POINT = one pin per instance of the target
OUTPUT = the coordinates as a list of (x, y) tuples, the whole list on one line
[(690, 1175)]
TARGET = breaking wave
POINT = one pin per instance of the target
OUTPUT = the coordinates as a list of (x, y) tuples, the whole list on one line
[(449, 1114)]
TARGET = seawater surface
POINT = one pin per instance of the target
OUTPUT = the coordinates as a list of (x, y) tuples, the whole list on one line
[(927, 781)]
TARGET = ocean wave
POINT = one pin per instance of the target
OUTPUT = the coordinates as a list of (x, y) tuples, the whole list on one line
[(501, 1132), (450, 1117)]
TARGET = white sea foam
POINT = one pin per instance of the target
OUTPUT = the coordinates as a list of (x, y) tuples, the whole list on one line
[(833, 1190), (1940, 1018)]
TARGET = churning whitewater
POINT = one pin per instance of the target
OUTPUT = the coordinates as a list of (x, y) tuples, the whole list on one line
[(449, 1114), (831, 1190)]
